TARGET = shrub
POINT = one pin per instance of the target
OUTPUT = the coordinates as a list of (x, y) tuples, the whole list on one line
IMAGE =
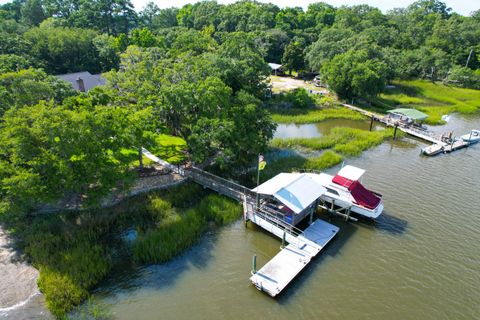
[(61, 292)]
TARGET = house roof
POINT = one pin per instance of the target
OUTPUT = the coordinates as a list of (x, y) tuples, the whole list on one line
[(89, 80), (296, 191), (410, 113)]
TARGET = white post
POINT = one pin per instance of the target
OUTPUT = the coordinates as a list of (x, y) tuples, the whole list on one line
[(258, 182)]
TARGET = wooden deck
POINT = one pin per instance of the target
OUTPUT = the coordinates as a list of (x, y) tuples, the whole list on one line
[(275, 276)]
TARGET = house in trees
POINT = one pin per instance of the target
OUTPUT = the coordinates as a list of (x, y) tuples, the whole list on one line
[(83, 81)]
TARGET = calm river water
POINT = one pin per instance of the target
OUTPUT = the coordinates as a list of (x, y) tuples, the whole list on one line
[(421, 260)]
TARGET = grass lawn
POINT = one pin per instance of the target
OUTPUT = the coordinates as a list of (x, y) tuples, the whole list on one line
[(434, 99), (168, 148)]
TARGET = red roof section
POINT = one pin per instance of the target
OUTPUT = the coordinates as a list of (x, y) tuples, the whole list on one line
[(362, 195)]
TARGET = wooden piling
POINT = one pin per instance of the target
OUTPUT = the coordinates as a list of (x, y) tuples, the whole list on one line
[(254, 264), (371, 123), (395, 132)]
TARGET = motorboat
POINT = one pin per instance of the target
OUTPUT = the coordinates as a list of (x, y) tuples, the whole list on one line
[(472, 137), (346, 190)]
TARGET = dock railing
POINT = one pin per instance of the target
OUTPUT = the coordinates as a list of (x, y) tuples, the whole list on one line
[(218, 184)]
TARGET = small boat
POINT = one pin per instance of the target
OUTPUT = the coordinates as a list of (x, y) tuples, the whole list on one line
[(472, 137), (433, 150), (345, 190)]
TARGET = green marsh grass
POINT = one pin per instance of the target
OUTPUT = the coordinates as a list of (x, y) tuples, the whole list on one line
[(177, 229), (300, 116), (286, 164), (346, 141), (435, 99)]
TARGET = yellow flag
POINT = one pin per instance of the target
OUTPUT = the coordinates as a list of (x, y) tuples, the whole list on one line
[(261, 162)]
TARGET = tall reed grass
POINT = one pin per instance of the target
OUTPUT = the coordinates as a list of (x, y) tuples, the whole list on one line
[(346, 141), (300, 116), (177, 230)]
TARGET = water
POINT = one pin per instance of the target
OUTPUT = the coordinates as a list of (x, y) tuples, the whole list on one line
[(419, 261), (314, 130)]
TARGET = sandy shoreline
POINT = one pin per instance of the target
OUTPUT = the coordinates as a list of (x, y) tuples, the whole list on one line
[(20, 297)]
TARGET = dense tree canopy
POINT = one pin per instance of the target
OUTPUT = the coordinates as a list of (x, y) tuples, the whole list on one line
[(198, 72)]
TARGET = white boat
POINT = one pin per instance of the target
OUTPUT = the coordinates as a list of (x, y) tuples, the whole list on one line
[(345, 189), (472, 137)]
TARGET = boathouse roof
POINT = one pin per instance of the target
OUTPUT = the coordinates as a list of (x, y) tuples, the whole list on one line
[(295, 190), (410, 113)]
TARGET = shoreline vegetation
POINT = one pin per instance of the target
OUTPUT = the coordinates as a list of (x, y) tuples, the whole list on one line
[(301, 116), (75, 251), (434, 99)]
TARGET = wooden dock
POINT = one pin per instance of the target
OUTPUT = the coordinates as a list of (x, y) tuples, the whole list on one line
[(439, 144), (302, 245), (275, 276)]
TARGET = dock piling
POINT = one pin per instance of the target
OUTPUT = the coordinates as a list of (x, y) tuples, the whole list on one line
[(283, 239), (254, 264), (395, 132), (371, 123)]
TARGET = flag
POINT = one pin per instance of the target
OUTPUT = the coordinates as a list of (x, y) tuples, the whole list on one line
[(261, 162)]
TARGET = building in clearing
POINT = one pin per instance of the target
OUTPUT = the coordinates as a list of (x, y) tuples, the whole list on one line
[(83, 81), (276, 68)]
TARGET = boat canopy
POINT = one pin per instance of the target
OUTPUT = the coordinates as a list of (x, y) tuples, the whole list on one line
[(296, 191), (362, 195), (351, 172), (410, 113)]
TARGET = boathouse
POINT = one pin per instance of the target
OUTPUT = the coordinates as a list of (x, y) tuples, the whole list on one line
[(290, 196), (406, 116)]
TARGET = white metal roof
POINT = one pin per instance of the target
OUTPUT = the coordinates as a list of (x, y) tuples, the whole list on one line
[(351, 172), (322, 179), (281, 180), (275, 66), (296, 191)]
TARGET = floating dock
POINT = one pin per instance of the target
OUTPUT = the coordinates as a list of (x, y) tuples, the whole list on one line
[(302, 246), (274, 276)]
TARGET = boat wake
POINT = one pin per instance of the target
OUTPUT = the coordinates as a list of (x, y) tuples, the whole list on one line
[(6, 310)]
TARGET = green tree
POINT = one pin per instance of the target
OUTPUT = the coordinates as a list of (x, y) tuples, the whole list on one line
[(63, 150), (355, 74), (28, 87), (319, 14), (242, 65), (108, 51), (293, 57), (144, 38), (166, 18), (32, 12), (12, 62), (148, 14), (63, 49)]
